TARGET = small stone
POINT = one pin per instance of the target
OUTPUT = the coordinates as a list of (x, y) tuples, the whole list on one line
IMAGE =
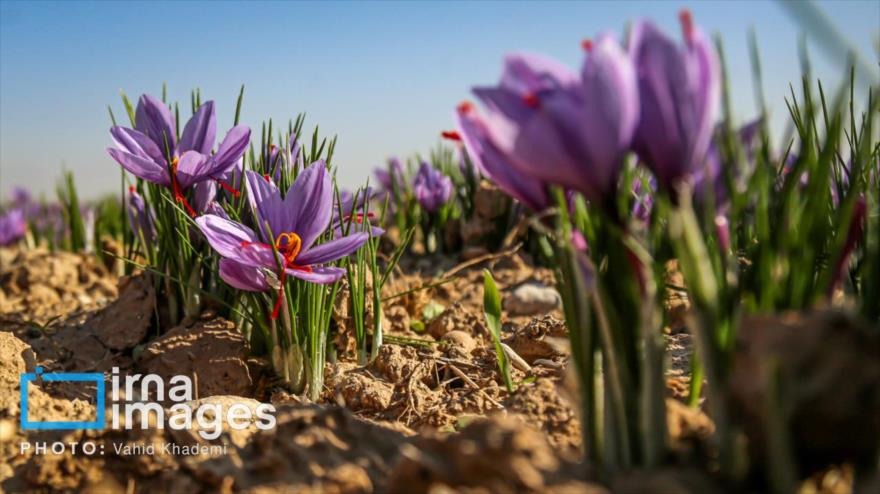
[(360, 392), (531, 299), (460, 339)]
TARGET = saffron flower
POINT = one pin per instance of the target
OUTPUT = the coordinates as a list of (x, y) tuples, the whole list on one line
[(494, 164), (563, 128), (12, 226), (354, 210), (392, 177), (679, 89), (643, 199), (151, 150), (295, 221), (20, 196), (432, 189)]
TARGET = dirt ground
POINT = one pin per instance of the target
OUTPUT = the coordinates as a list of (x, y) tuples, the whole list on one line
[(430, 414)]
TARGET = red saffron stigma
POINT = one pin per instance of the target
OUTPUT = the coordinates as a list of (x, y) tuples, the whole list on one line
[(687, 24), (359, 218), (245, 243), (451, 135), (531, 100), (178, 192), (266, 176), (277, 307), (465, 107), (228, 188), (131, 189), (587, 45)]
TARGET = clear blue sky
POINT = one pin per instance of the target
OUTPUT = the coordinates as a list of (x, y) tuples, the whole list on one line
[(384, 76)]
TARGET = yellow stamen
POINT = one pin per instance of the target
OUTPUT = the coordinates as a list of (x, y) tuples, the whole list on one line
[(289, 244)]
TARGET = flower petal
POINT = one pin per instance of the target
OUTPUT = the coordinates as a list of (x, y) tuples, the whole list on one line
[(205, 194), (231, 149), (531, 73), (193, 167), (265, 200), (333, 250), (493, 163), (137, 143), (232, 240), (200, 131), (142, 167), (679, 89), (320, 275), (154, 119), (242, 276), (309, 202)]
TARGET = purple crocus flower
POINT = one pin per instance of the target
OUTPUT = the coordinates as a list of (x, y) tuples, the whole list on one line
[(393, 177), (12, 226), (563, 128), (490, 161), (354, 211), (295, 220), (140, 217), (679, 89), (432, 189), (643, 197), (151, 150), (20, 196)]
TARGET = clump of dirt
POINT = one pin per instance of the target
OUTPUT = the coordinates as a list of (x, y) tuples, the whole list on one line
[(676, 303), (541, 405), (816, 372), (41, 285), (497, 456), (455, 318), (360, 392), (667, 480), (125, 322), (16, 358), (544, 338), (210, 350), (490, 204), (312, 449), (689, 429), (96, 340)]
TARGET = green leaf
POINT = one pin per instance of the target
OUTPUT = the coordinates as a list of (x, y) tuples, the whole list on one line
[(492, 309)]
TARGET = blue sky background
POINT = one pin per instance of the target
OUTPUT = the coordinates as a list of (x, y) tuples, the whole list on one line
[(384, 76)]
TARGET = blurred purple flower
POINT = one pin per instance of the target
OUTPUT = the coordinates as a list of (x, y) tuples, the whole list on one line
[(20, 196), (432, 189), (679, 89), (150, 150), (391, 178), (491, 162), (563, 128), (295, 220), (12, 226), (354, 211), (643, 198)]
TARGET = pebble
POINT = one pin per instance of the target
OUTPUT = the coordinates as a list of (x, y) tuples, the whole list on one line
[(530, 299), (460, 339)]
